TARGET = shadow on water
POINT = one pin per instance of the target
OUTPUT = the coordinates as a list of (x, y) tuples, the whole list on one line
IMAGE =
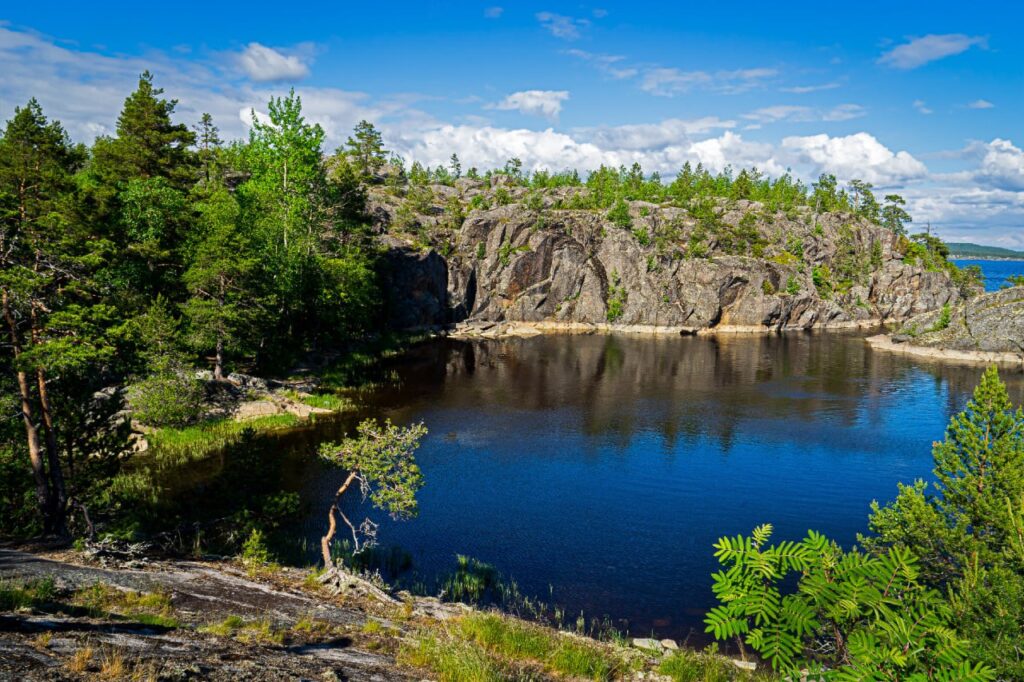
[(597, 471)]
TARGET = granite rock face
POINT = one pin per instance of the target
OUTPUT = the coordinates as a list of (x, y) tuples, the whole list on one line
[(992, 323), (514, 263)]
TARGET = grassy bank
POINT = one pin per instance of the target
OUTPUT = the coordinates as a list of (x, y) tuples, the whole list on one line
[(172, 446), (487, 646)]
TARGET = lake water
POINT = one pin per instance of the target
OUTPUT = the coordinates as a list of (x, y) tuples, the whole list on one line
[(597, 471), (995, 272)]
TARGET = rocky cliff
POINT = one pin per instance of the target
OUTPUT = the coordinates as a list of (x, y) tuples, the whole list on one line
[(991, 323), (490, 251)]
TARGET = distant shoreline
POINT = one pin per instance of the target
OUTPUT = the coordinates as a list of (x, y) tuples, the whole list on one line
[(994, 258)]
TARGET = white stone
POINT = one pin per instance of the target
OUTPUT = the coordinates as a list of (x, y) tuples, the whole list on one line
[(647, 643)]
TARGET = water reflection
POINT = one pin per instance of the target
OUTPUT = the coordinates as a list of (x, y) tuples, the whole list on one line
[(600, 469)]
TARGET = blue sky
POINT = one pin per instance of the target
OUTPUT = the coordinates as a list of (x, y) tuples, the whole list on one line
[(920, 98)]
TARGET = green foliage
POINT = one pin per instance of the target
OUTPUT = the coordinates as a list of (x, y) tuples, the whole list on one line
[(1014, 280), (170, 396), (222, 304), (969, 280), (619, 214), (894, 216), (366, 149), (520, 641), (189, 443), (617, 297), (822, 277), (479, 202), (767, 288), (690, 666), (969, 531), (851, 615), (792, 286), (383, 457), (945, 316), (457, 661), (254, 551)]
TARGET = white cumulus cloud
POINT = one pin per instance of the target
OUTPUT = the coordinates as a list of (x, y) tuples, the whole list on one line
[(1001, 166), (266, 65), (919, 51), (853, 156), (546, 103), (980, 104)]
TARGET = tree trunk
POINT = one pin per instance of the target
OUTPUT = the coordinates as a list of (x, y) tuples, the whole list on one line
[(31, 432), (218, 363), (59, 496), (332, 523)]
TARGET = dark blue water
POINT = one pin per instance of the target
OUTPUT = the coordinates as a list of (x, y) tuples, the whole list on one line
[(995, 272), (597, 471)]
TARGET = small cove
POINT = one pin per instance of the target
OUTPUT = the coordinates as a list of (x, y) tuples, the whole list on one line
[(596, 471)]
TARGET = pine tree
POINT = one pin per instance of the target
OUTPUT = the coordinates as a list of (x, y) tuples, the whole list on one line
[(148, 143), (894, 216), (221, 302), (208, 143), (139, 181), (45, 262), (366, 147), (969, 533)]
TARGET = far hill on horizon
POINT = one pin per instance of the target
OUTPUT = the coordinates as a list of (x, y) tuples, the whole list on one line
[(968, 250)]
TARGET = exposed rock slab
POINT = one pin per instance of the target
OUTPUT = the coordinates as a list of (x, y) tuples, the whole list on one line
[(985, 329)]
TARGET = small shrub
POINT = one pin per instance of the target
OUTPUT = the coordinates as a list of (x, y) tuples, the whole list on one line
[(617, 297), (822, 276), (945, 317), (254, 552), (171, 396), (767, 287), (619, 214), (792, 286), (481, 251), (479, 202)]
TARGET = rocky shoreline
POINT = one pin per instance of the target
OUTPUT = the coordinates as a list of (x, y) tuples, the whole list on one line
[(113, 612), (496, 330), (986, 329), (886, 343)]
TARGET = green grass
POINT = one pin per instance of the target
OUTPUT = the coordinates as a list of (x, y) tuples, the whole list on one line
[(323, 401), (559, 652), (149, 608), (24, 595), (174, 446), (248, 631), (453, 661), (694, 666)]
